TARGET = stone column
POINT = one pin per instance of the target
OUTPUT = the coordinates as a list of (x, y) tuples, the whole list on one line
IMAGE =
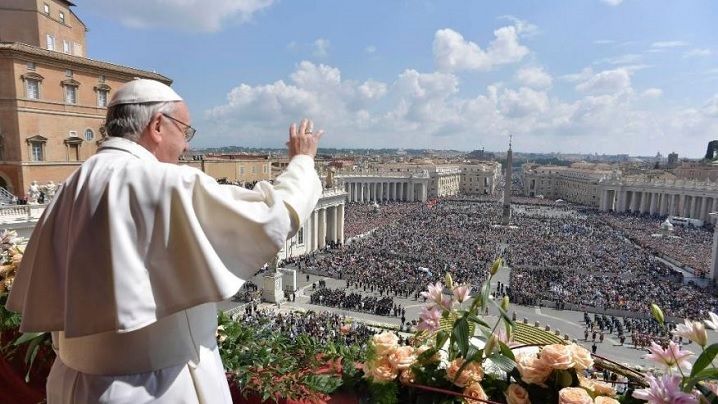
[(652, 208), (340, 220), (322, 227), (315, 229)]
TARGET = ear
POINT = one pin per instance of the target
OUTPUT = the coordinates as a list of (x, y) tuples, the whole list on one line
[(154, 129)]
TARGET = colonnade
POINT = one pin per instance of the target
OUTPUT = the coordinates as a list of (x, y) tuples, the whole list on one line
[(660, 202), (377, 189), (324, 225)]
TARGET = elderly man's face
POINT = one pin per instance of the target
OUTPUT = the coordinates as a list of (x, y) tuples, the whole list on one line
[(173, 142)]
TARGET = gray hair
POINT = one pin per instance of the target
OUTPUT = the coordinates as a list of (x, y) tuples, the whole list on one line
[(129, 120)]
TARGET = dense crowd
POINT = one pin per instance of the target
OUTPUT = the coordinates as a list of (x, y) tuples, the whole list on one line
[(556, 253), (361, 218), (381, 306)]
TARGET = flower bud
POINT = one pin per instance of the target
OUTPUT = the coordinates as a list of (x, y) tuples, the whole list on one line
[(505, 303), (491, 344), (449, 281), (495, 266), (657, 313)]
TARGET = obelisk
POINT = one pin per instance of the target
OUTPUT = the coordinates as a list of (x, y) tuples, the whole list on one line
[(506, 220)]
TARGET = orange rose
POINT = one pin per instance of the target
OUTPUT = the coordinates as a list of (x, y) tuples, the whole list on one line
[(574, 395), (475, 391), (385, 343), (403, 357), (581, 357), (605, 400), (384, 371), (532, 369), (557, 356), (516, 394), (472, 373)]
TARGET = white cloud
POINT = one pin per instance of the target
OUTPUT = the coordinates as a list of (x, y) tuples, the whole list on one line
[(371, 49), (613, 2), (534, 77), (522, 103), (428, 110), (652, 93), (321, 47), (452, 52), (669, 44), (606, 82), (630, 58), (182, 15), (698, 53), (710, 108)]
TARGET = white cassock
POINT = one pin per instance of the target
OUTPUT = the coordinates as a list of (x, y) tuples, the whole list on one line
[(127, 262)]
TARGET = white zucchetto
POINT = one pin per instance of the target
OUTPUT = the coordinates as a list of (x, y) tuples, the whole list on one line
[(140, 91)]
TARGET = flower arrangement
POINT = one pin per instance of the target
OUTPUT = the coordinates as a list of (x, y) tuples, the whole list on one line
[(12, 343), (10, 257), (672, 383), (457, 357)]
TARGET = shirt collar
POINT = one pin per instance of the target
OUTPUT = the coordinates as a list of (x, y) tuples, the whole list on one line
[(126, 145)]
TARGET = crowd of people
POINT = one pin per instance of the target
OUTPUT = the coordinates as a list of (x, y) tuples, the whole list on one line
[(381, 306), (556, 253)]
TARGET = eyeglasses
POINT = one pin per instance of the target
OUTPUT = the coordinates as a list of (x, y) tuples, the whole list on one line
[(188, 130)]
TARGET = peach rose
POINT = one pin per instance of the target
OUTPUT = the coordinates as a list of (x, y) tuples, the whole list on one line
[(574, 395), (403, 357), (432, 359), (556, 356), (407, 376), (605, 400), (383, 371), (597, 387), (385, 343), (472, 373), (516, 394), (475, 391), (532, 369), (581, 357)]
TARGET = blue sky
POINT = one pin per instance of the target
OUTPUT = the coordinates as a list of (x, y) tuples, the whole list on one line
[(588, 76)]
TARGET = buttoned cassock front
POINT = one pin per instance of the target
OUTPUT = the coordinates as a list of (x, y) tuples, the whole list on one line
[(127, 262)]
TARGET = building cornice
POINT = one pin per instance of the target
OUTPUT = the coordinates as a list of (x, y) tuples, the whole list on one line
[(33, 52)]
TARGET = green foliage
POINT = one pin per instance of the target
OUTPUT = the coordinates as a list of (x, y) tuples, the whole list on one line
[(272, 365)]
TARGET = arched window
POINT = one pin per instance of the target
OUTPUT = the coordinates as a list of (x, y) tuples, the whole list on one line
[(89, 134)]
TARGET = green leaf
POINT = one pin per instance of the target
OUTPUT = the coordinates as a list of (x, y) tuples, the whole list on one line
[(507, 352), (504, 363), (705, 374), (461, 335), (28, 336), (705, 359)]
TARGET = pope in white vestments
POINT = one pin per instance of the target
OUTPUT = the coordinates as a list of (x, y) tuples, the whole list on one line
[(130, 257)]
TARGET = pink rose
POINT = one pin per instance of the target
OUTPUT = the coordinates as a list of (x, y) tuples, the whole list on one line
[(516, 394), (385, 343), (475, 391), (403, 357), (574, 395), (581, 357), (556, 356)]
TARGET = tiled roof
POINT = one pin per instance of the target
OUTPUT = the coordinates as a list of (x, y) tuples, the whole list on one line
[(21, 48)]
